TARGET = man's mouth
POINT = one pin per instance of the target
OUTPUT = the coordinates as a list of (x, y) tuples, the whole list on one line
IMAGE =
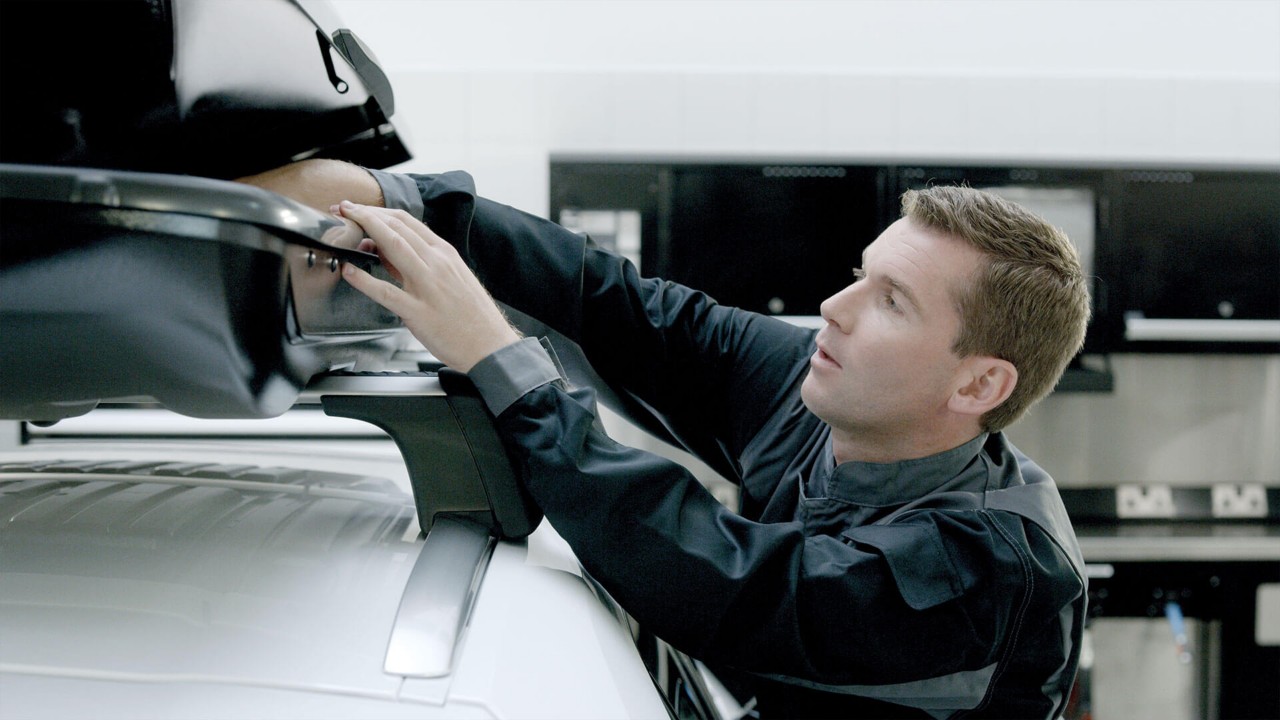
[(822, 358)]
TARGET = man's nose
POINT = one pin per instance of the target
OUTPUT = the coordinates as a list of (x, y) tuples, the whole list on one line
[(838, 309)]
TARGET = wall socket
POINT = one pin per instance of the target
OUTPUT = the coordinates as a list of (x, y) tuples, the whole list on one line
[(1144, 501), (1239, 500)]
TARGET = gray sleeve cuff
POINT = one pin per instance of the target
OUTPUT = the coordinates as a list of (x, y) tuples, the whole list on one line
[(399, 192), (506, 375)]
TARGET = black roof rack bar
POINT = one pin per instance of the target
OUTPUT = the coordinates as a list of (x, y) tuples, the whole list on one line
[(456, 462)]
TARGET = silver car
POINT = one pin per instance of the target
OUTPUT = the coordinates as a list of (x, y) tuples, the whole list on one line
[(176, 577)]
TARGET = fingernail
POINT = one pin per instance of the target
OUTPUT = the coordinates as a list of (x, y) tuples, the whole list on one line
[(334, 210), (348, 269)]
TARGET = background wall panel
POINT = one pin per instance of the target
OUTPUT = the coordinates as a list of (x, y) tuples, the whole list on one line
[(498, 88)]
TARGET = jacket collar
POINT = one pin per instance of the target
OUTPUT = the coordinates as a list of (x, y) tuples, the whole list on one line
[(896, 483)]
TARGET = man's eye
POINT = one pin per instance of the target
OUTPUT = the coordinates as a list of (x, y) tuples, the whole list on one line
[(890, 303)]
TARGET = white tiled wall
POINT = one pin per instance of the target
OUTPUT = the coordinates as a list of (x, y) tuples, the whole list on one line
[(498, 88), (504, 126)]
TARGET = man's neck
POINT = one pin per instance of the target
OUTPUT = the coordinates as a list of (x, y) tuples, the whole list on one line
[(896, 446)]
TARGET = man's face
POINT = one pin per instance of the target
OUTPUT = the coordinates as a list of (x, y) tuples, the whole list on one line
[(884, 366)]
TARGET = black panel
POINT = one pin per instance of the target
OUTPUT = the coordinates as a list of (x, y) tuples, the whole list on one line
[(773, 239), (1208, 244), (1166, 243), (1195, 245), (776, 239)]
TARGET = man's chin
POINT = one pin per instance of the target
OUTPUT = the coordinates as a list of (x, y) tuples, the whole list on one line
[(822, 401), (809, 394)]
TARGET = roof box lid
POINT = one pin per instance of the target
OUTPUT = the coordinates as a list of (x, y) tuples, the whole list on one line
[(219, 89)]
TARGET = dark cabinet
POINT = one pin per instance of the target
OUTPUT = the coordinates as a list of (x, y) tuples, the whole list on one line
[(1179, 260)]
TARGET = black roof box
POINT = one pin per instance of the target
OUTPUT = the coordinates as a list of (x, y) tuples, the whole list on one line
[(216, 89), (214, 298)]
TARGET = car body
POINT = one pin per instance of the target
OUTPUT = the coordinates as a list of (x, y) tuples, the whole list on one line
[(202, 577)]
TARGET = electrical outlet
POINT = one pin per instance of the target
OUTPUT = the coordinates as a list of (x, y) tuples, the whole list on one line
[(1243, 500), (1144, 501)]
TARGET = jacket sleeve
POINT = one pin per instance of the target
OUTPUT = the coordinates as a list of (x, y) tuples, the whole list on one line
[(706, 374), (870, 607)]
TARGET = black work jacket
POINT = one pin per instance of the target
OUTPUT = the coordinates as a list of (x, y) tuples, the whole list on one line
[(937, 587)]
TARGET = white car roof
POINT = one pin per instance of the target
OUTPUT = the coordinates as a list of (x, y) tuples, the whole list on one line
[(241, 579)]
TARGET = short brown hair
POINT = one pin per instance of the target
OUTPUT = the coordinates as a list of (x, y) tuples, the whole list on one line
[(1029, 304)]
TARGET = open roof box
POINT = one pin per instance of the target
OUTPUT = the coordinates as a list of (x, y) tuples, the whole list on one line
[(214, 298)]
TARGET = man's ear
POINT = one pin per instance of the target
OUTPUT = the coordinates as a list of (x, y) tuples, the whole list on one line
[(983, 384)]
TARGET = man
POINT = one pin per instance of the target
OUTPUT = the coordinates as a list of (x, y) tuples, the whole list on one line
[(893, 555)]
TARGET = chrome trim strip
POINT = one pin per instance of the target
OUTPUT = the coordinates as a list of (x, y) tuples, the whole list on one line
[(133, 422), (303, 488), (1202, 330), (438, 598), (1205, 548), (370, 385)]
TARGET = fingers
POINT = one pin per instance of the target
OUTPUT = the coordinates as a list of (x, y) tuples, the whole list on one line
[(369, 246), (400, 248), (411, 227), (414, 231), (380, 291), (408, 248)]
